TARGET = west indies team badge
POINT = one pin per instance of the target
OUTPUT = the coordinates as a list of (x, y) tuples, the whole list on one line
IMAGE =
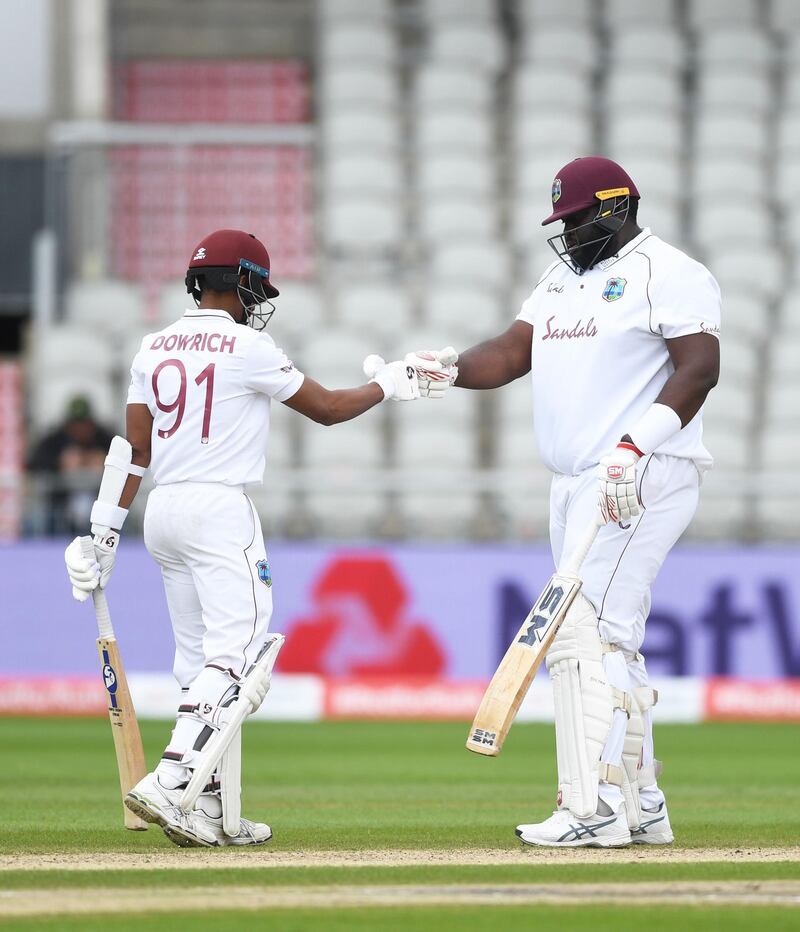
[(556, 192), (264, 572), (614, 289)]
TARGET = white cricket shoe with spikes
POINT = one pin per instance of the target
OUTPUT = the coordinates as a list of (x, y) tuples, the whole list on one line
[(154, 802), (186, 836), (566, 830), (654, 828)]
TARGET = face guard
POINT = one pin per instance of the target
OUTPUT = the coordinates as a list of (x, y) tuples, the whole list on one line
[(582, 247), (252, 295)]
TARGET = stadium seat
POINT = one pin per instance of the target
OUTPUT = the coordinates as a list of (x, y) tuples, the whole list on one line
[(724, 512), (737, 46), (449, 215), (731, 403), (363, 225), (703, 14), (552, 129), (537, 257), (336, 11), (357, 42), (545, 13), (463, 310), (781, 449), (357, 84), (716, 177), (351, 445), (445, 84), (380, 310), (782, 404), (655, 47), (789, 136), (743, 224), (643, 132), (463, 42), (753, 274), (728, 88), (334, 358), (299, 311), (536, 85), (364, 174), (731, 135), (642, 87), (789, 317), (110, 307), (785, 15), (744, 314), (453, 173), (172, 302), (655, 177), (484, 263), (621, 13), (534, 171), (360, 130), (64, 349), (47, 403), (527, 213), (453, 130), (784, 361), (558, 44), (436, 12)]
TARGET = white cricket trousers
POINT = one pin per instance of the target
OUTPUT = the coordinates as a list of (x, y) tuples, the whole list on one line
[(207, 539), (625, 559)]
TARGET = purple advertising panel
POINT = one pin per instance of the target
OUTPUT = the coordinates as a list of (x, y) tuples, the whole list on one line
[(443, 611)]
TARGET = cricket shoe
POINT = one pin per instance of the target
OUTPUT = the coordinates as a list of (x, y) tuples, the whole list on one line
[(654, 827), (605, 829), (154, 802), (194, 832)]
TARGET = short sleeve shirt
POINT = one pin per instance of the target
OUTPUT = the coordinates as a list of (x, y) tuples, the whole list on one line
[(208, 382), (599, 356)]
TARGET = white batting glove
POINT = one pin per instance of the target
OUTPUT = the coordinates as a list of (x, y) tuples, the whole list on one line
[(616, 474), (106, 542), (86, 575), (398, 381), (436, 370)]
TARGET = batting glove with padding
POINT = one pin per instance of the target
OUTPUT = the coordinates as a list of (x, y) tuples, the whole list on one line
[(436, 370), (616, 475), (398, 381)]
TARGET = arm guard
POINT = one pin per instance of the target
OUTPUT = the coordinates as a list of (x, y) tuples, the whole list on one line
[(106, 512)]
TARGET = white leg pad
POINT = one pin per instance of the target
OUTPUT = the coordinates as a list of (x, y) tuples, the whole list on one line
[(230, 778), (644, 698), (584, 707)]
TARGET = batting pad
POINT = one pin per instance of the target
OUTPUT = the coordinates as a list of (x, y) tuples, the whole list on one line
[(584, 709)]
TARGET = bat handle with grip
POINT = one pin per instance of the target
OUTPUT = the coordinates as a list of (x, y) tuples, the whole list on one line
[(98, 595), (573, 565)]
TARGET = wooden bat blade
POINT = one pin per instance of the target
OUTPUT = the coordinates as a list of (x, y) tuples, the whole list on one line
[(513, 677), (124, 726)]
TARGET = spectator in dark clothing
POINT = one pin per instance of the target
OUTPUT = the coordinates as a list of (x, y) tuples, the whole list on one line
[(68, 461)]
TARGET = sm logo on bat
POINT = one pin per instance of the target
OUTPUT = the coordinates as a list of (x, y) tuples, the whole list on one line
[(541, 614)]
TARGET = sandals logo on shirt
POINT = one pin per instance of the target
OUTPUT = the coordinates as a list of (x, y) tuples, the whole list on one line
[(264, 572), (614, 289)]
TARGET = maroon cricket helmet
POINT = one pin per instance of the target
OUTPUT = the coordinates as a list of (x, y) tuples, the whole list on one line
[(586, 181), (234, 250)]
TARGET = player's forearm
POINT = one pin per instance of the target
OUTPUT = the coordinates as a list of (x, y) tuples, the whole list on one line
[(344, 404), (686, 390), (490, 365)]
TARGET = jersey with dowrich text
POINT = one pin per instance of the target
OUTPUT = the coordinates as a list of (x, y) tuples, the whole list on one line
[(599, 356), (208, 382)]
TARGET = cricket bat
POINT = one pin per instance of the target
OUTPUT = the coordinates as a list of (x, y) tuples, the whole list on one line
[(513, 677), (121, 714)]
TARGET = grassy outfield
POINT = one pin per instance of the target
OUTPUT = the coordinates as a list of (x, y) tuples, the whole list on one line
[(357, 786), (392, 785)]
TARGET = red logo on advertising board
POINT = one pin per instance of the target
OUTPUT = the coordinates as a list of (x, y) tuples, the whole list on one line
[(359, 625)]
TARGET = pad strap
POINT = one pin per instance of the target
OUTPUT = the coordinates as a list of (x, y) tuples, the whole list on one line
[(610, 773), (119, 463)]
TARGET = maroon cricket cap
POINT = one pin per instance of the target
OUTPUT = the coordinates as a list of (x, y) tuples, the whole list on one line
[(231, 249), (585, 181)]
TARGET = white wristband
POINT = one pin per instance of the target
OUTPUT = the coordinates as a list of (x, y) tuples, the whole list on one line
[(386, 382), (111, 516), (655, 427)]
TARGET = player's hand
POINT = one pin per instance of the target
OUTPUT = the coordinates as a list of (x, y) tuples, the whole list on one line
[(436, 370), (397, 380), (83, 574), (105, 543), (616, 474)]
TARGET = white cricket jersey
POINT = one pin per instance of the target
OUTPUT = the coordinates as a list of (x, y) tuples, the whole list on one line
[(599, 357), (208, 382)]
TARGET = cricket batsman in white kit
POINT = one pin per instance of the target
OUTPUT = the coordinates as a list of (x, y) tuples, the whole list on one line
[(621, 335), (198, 417)]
